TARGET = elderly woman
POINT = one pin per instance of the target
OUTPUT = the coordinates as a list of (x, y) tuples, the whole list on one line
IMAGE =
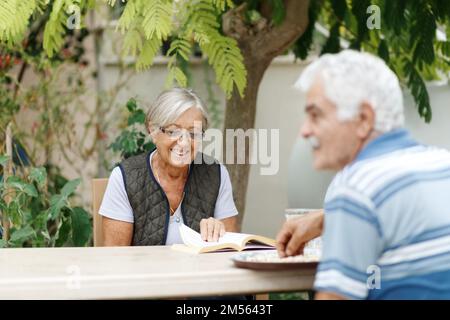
[(150, 195)]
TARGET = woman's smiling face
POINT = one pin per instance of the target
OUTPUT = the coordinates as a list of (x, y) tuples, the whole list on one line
[(177, 143)]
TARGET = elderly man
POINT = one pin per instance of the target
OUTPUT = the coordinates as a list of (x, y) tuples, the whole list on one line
[(386, 227)]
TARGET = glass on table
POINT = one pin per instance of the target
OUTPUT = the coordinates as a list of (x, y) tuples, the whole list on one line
[(314, 246)]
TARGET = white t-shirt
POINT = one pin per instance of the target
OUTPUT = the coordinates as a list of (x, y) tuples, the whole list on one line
[(115, 204)]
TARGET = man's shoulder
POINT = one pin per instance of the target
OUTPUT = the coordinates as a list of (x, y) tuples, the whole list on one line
[(372, 175)]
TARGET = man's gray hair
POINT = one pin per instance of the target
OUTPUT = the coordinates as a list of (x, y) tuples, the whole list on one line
[(171, 104), (351, 78)]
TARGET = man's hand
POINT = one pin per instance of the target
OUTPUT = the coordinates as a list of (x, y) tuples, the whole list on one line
[(296, 232), (211, 229), (328, 296)]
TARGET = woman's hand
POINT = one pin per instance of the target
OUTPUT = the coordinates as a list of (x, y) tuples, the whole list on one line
[(211, 229)]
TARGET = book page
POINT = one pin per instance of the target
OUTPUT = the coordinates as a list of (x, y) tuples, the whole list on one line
[(233, 237), (192, 238)]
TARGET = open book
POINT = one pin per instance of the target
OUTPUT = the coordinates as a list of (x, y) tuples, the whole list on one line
[(229, 241)]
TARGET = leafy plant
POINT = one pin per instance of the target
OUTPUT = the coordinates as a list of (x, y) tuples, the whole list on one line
[(146, 24), (133, 139), (39, 218), (406, 39)]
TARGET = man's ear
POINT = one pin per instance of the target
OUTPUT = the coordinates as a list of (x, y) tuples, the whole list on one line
[(366, 121)]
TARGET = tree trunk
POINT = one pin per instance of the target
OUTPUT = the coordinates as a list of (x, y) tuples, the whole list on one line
[(240, 114), (260, 44)]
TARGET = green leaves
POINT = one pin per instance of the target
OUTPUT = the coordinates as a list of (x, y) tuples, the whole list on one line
[(16, 183), (176, 75), (59, 201), (54, 29), (157, 18), (423, 34), (38, 175), (149, 50), (148, 23), (14, 16), (278, 11), (70, 224), (21, 235), (222, 5), (130, 142), (129, 15), (70, 187), (133, 140), (444, 48), (3, 160), (132, 43), (180, 49), (383, 51), (63, 234), (58, 23), (359, 13), (132, 105), (227, 61), (81, 226), (223, 52), (332, 45), (339, 8), (418, 89), (137, 117), (303, 44), (37, 221), (406, 40), (14, 212)]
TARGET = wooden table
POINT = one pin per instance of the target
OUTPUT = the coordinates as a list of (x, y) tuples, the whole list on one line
[(134, 272)]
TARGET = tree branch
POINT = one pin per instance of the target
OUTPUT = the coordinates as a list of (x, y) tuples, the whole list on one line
[(263, 39), (233, 23), (281, 37)]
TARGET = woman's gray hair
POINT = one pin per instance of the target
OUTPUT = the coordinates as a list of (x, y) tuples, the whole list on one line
[(171, 104)]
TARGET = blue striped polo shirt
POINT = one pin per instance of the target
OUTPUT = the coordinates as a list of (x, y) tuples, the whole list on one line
[(387, 223)]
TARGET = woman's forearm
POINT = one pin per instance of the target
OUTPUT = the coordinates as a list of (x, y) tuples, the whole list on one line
[(116, 233)]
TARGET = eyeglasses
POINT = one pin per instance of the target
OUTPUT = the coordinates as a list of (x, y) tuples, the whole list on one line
[(176, 134)]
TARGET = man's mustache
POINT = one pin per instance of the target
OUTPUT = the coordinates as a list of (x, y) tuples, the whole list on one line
[(313, 141)]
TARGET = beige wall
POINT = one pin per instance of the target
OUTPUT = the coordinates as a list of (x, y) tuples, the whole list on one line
[(80, 155)]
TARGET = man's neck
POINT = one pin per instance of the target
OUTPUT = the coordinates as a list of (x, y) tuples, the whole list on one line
[(372, 136)]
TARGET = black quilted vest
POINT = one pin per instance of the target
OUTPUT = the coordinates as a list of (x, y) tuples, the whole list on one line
[(150, 204)]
